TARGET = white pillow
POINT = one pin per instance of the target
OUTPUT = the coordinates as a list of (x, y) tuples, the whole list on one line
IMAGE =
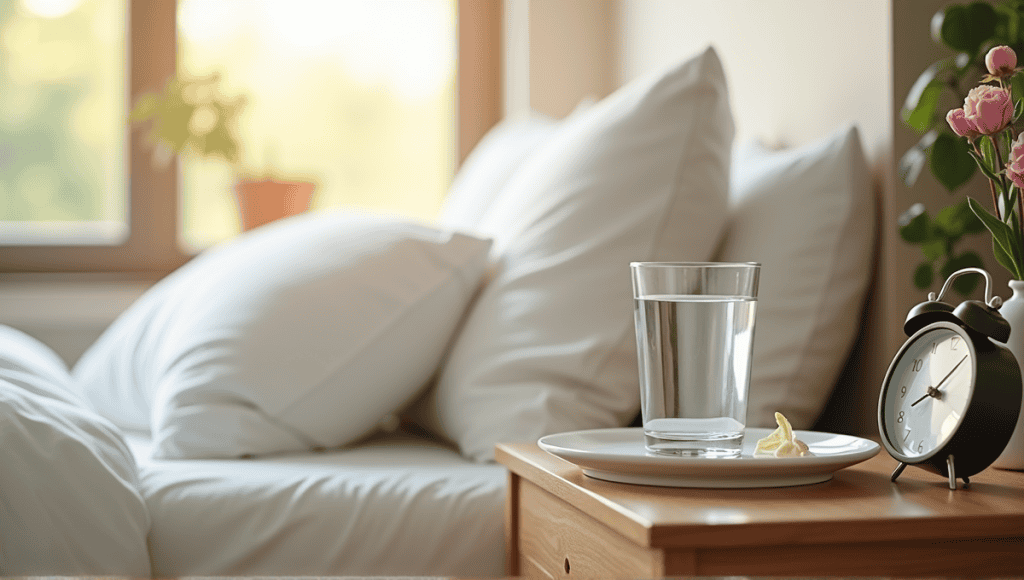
[(69, 503), (808, 216), (550, 344), (488, 168), (301, 334), (493, 162)]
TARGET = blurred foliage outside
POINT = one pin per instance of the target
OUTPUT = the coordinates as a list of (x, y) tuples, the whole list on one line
[(62, 103), (355, 95)]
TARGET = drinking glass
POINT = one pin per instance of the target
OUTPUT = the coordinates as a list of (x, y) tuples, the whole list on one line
[(695, 336)]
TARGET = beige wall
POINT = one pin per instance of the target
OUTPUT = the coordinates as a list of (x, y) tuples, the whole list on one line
[(572, 45), (790, 82), (558, 53), (796, 68)]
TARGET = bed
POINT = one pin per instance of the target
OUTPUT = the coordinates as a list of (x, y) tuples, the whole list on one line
[(241, 417), (397, 505)]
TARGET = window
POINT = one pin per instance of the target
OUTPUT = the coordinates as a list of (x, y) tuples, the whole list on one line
[(62, 91), (314, 109), (356, 96)]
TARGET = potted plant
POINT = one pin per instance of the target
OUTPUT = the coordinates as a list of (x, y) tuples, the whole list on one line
[(985, 133), (192, 117)]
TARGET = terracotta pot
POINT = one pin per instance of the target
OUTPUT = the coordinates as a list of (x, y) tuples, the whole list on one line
[(1013, 311), (261, 202)]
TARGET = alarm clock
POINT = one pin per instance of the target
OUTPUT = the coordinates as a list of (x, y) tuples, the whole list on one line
[(950, 399)]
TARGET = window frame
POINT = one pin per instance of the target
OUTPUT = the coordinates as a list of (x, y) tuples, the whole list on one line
[(151, 249)]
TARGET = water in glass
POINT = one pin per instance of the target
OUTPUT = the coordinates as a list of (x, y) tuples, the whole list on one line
[(694, 357)]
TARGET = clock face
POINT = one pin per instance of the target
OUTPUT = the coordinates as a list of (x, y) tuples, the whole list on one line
[(928, 392)]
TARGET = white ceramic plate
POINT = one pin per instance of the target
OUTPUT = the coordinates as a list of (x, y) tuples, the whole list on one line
[(619, 455)]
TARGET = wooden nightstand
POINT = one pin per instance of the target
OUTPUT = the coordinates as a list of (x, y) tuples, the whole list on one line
[(561, 523)]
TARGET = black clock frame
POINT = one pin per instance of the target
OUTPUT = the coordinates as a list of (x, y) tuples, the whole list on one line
[(992, 409)]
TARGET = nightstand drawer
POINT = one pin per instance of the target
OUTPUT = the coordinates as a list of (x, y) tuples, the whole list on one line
[(557, 540)]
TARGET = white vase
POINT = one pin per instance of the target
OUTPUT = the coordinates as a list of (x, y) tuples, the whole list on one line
[(1013, 311)]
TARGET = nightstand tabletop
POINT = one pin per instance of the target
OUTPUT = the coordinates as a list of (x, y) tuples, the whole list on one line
[(859, 504)]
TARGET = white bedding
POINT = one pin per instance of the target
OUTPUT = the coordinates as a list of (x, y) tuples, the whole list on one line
[(397, 505)]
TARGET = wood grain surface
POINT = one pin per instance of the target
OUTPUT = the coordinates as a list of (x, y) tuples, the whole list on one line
[(859, 503), (858, 524)]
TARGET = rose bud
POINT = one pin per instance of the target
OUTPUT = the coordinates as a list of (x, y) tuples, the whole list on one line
[(988, 109), (960, 125), (1001, 61)]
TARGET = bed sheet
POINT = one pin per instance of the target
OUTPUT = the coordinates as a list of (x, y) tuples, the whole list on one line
[(398, 505)]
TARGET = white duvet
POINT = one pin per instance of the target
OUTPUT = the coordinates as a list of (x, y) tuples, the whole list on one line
[(397, 506)]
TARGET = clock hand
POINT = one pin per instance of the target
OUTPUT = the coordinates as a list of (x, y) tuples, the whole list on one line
[(934, 391), (923, 397), (950, 373)]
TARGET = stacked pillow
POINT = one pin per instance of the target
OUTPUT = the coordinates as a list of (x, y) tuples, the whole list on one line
[(550, 344), (301, 334), (488, 168), (808, 215), (69, 481), (493, 162), (304, 333)]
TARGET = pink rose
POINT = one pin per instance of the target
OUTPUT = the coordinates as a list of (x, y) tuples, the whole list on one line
[(1001, 61), (1015, 162), (988, 109), (960, 125)]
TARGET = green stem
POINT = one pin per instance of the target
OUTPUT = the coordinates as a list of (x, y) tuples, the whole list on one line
[(991, 184), (1020, 230), (999, 163)]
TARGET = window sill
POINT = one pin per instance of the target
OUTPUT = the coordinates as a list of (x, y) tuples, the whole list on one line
[(66, 300)]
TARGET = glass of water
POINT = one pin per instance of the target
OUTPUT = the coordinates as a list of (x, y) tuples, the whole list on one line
[(694, 336)]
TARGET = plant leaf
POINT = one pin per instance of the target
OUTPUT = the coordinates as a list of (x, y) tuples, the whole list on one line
[(965, 28), (144, 109), (1001, 235), (951, 221), (1014, 245), (1007, 25), (1003, 258), (936, 25), (951, 161), (924, 275), (914, 224), (1017, 86), (922, 116), (933, 249), (1011, 202), (972, 225), (988, 153), (984, 168), (914, 160)]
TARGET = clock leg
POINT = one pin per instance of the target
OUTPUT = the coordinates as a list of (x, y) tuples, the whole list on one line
[(952, 472), (898, 471)]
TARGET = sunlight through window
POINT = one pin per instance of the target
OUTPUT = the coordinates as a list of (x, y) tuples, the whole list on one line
[(62, 122), (355, 95)]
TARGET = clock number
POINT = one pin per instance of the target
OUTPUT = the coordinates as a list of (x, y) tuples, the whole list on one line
[(920, 446), (899, 418), (918, 364), (935, 347), (952, 343), (903, 391)]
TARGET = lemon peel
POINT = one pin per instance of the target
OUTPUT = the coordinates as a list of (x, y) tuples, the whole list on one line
[(781, 442)]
